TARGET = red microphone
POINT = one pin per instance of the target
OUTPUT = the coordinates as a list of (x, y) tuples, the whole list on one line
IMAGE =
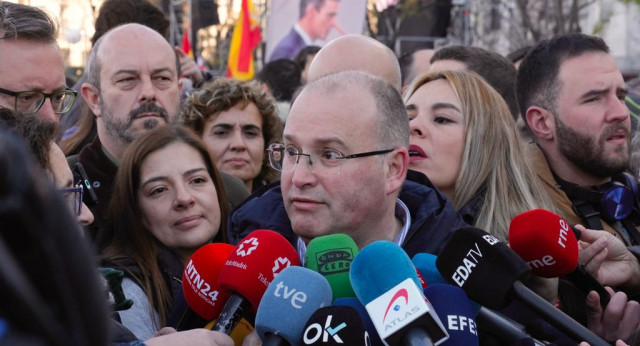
[(548, 244), (545, 241), (250, 268), (200, 280)]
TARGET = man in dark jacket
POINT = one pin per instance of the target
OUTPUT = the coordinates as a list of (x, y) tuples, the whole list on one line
[(131, 92), (344, 168)]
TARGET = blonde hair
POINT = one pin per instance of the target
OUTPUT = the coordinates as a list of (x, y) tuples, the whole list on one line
[(493, 162)]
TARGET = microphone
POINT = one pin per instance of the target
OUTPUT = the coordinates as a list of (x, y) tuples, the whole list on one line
[(547, 243), (289, 301), (487, 320), (354, 303), (200, 280), (331, 256), (387, 284), (335, 325), (454, 308), (426, 265), (489, 272), (253, 264)]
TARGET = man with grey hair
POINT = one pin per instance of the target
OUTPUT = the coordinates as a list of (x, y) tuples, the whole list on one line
[(344, 170), (130, 91), (317, 18), (31, 66)]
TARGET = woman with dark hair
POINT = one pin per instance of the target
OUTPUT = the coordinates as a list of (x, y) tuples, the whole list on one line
[(237, 121), (167, 202)]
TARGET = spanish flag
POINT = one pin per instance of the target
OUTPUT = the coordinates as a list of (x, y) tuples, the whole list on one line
[(246, 36), (186, 45)]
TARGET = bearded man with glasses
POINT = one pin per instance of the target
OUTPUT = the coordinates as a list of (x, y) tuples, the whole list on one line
[(344, 167), (31, 66)]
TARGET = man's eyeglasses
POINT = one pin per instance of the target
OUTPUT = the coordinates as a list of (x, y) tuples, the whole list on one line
[(29, 102), (73, 197), (284, 158)]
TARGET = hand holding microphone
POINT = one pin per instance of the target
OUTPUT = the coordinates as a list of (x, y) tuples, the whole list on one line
[(548, 244), (608, 259)]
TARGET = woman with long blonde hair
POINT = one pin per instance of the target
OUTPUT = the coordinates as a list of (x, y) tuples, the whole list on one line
[(463, 138)]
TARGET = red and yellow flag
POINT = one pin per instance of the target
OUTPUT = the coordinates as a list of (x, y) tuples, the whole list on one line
[(246, 36), (186, 45)]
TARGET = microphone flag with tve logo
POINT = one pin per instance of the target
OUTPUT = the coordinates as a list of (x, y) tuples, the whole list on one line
[(289, 301)]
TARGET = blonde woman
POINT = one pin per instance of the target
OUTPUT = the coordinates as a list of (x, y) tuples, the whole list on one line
[(464, 139)]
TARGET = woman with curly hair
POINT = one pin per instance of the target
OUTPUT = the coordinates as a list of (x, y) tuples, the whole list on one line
[(237, 121)]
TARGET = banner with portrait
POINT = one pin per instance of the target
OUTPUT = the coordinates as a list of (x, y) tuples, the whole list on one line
[(317, 25)]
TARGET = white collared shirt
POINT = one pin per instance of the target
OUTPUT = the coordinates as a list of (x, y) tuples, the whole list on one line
[(307, 40), (402, 213)]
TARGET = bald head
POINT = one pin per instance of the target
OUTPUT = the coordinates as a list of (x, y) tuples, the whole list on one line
[(357, 53), (122, 40)]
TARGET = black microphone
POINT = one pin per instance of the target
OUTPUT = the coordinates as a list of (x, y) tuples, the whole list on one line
[(489, 321), (335, 325), (490, 273)]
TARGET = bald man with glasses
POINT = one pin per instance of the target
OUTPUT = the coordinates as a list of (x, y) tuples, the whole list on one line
[(344, 169)]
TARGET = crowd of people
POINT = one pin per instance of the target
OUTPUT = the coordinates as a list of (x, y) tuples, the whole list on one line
[(129, 174)]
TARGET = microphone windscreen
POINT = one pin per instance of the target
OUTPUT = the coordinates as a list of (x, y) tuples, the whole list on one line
[(289, 301), (331, 256), (379, 267), (253, 264), (200, 280), (364, 316), (545, 241), (335, 325), (426, 265), (483, 266), (456, 313)]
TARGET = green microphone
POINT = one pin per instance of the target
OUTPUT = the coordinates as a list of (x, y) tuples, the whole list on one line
[(331, 256)]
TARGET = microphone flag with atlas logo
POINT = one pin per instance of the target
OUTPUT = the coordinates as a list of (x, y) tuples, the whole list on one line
[(386, 282)]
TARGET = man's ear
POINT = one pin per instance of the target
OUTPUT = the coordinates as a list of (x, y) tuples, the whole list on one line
[(396, 169), (541, 122), (91, 97)]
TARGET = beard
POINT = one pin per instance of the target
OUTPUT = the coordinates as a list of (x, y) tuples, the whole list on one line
[(589, 155), (120, 130)]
